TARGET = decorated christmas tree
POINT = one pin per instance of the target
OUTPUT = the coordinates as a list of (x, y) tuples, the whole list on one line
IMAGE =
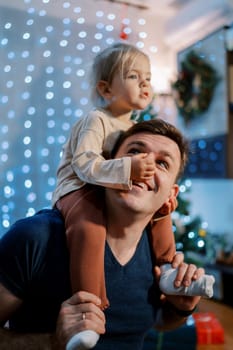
[(191, 232)]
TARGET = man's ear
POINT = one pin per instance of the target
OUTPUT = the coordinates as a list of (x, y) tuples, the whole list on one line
[(104, 89), (174, 191)]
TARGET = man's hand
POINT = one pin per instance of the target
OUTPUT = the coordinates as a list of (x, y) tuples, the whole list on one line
[(186, 273), (78, 313)]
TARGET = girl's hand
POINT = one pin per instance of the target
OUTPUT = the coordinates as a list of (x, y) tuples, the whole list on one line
[(142, 166)]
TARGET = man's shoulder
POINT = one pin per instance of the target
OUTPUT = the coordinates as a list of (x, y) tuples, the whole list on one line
[(53, 215), (43, 217), (42, 226)]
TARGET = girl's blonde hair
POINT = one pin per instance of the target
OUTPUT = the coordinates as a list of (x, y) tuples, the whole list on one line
[(116, 59)]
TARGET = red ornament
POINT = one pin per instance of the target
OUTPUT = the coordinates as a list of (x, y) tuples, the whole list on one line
[(123, 34)]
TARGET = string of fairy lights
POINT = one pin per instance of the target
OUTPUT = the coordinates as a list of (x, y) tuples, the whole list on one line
[(44, 89), (46, 48)]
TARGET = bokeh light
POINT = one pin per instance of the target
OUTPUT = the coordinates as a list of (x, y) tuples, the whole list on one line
[(45, 61)]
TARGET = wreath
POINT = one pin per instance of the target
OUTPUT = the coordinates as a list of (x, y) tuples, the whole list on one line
[(194, 88)]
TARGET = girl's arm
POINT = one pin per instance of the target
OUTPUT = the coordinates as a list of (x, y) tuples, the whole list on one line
[(97, 134)]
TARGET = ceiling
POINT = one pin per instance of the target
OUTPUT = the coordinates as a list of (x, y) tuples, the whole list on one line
[(143, 4), (155, 7), (179, 17), (173, 24)]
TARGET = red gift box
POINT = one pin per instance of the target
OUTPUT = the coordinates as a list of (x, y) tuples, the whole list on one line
[(208, 328)]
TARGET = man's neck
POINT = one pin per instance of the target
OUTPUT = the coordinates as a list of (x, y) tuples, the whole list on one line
[(124, 232)]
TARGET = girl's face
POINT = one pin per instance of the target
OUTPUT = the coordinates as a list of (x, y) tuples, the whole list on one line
[(133, 91)]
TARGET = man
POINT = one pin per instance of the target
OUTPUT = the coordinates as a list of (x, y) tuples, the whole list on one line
[(35, 292)]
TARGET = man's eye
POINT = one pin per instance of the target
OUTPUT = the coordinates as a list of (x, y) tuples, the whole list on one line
[(163, 164), (133, 151)]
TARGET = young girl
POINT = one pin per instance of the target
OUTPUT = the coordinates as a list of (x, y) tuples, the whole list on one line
[(121, 79)]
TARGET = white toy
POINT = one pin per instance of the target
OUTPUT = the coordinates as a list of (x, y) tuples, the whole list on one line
[(201, 287)]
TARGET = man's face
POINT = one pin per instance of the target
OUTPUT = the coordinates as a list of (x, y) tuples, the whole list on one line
[(148, 196)]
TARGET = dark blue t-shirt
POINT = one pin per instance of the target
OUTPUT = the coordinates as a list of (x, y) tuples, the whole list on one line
[(34, 265)]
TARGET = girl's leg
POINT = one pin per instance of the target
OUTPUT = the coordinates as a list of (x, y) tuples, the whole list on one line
[(83, 211), (163, 240)]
